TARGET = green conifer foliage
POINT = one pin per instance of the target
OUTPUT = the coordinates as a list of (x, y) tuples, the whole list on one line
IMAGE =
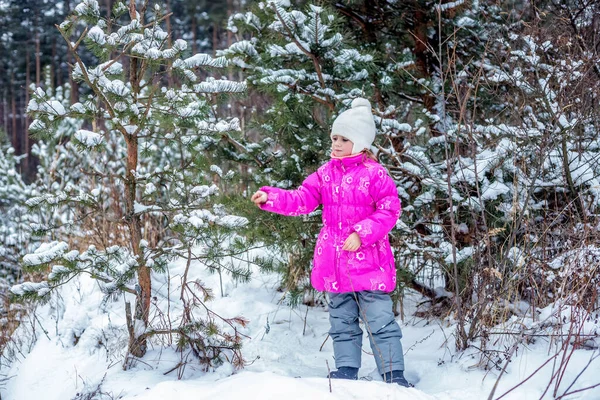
[(461, 103), (15, 237), (313, 61), (132, 181), (300, 61)]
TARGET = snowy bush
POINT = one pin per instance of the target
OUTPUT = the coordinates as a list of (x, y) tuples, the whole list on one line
[(487, 129)]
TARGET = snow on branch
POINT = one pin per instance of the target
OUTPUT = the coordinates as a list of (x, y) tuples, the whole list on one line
[(123, 34), (288, 76), (112, 67), (35, 288), (212, 85), (388, 123), (449, 6), (47, 198), (248, 18), (88, 139), (298, 48), (46, 253), (282, 3), (204, 190), (201, 60), (232, 221), (346, 56), (315, 31), (334, 41), (117, 87), (51, 107), (88, 8), (96, 35), (493, 190), (221, 126), (37, 125), (201, 219), (282, 14), (244, 47)]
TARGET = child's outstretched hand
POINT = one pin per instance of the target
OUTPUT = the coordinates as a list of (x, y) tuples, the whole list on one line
[(352, 242), (259, 197)]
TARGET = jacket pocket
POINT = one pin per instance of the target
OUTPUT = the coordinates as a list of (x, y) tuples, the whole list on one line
[(365, 259)]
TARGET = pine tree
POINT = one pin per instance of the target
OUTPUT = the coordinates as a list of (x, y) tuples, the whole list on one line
[(312, 63), (304, 67), (143, 191), (15, 237)]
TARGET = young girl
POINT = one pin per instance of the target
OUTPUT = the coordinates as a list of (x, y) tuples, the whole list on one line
[(353, 260)]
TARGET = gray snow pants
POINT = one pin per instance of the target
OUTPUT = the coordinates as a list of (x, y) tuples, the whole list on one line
[(375, 309)]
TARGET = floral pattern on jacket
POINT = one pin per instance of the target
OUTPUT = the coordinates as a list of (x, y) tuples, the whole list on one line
[(359, 196)]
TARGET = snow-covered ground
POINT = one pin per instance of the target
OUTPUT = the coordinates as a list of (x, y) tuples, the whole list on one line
[(282, 351)]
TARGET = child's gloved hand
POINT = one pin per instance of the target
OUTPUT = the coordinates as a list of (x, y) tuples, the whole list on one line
[(259, 197), (352, 242)]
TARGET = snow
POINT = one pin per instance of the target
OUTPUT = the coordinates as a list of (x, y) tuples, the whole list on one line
[(39, 287), (203, 190), (461, 255), (212, 85), (270, 386), (51, 107), (88, 138), (150, 188), (449, 6), (56, 270), (142, 208), (180, 45), (96, 34), (46, 253), (493, 190), (85, 340), (201, 60), (393, 124), (88, 7), (282, 3), (217, 170), (232, 221)]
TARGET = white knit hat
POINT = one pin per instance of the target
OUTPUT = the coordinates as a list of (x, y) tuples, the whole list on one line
[(356, 124)]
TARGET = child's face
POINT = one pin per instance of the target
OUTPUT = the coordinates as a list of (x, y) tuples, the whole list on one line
[(341, 146)]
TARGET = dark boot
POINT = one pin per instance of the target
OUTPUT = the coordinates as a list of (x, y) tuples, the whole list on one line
[(396, 377), (345, 373)]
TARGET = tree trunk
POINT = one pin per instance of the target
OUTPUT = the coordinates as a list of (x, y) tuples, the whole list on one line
[(421, 52), (72, 83), (108, 4), (26, 119), (13, 106), (229, 35), (215, 45), (169, 44), (137, 342), (194, 34), (5, 110), (38, 61), (55, 78), (70, 62)]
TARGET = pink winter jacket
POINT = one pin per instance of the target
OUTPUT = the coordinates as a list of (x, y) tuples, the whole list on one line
[(358, 196)]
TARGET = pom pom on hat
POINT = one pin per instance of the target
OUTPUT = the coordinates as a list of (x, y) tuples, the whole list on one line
[(356, 124), (361, 102)]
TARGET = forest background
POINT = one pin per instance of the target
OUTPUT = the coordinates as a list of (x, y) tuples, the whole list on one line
[(133, 133)]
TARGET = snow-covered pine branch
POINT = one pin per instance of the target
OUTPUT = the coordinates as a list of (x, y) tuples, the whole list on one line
[(124, 161)]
